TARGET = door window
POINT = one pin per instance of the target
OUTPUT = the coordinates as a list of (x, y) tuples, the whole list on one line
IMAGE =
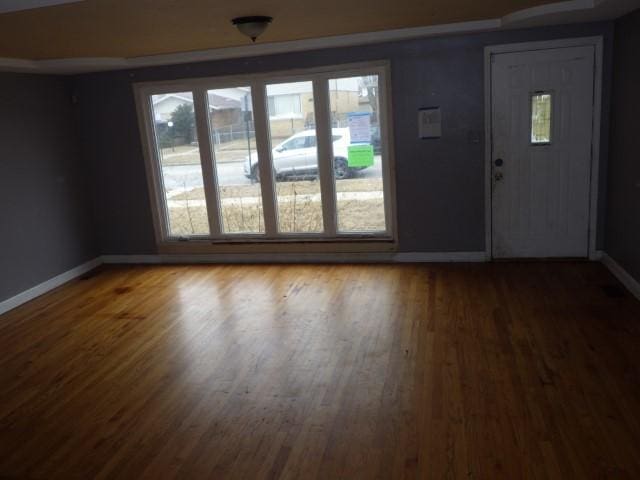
[(541, 118)]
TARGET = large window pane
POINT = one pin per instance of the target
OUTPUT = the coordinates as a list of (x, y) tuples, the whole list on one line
[(295, 159), (233, 192), (179, 156), (236, 160), (357, 151)]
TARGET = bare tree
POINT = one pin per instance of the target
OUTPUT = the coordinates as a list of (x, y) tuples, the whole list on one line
[(369, 85)]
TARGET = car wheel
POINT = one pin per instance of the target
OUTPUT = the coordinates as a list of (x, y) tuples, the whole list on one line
[(341, 169), (255, 174)]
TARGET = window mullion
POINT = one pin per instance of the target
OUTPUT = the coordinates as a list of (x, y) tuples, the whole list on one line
[(384, 107), (265, 162), (154, 169), (201, 106), (325, 155)]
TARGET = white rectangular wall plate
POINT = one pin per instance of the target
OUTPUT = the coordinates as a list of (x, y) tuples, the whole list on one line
[(429, 122)]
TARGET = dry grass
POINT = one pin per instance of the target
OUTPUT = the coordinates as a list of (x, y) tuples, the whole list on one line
[(299, 209), (235, 151), (305, 187), (361, 215), (188, 221), (180, 155)]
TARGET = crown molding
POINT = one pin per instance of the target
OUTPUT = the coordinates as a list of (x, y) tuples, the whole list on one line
[(7, 6), (548, 9), (571, 11), (69, 66)]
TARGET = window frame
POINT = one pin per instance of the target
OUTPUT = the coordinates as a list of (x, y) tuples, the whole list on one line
[(319, 76)]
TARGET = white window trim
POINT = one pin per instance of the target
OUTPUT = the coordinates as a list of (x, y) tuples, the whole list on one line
[(319, 76)]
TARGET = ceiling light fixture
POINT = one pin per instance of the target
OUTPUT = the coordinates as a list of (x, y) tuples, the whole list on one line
[(253, 26)]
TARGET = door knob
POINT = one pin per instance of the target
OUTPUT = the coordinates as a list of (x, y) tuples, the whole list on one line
[(498, 162)]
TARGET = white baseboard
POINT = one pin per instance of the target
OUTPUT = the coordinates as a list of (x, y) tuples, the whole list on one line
[(130, 259), (369, 257), (621, 274), (44, 287), (440, 257), (404, 257)]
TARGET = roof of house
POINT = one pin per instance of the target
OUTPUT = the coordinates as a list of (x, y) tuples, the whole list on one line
[(239, 97), (220, 99)]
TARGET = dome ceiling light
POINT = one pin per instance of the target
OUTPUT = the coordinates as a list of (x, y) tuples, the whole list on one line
[(252, 26)]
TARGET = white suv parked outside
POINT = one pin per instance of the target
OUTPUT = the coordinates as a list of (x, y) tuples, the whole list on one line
[(298, 156)]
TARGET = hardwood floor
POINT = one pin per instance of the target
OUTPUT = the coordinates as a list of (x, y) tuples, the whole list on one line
[(480, 371)]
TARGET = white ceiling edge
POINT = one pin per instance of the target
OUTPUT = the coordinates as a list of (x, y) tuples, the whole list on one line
[(550, 9), (571, 11), (69, 66), (7, 6)]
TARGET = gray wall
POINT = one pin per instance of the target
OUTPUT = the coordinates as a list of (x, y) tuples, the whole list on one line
[(45, 218), (440, 183), (623, 208)]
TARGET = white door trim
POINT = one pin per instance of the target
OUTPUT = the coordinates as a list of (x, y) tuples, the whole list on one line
[(490, 50)]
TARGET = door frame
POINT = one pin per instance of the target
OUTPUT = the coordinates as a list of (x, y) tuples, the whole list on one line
[(489, 51)]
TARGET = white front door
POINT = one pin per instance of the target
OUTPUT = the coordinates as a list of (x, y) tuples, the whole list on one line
[(542, 116)]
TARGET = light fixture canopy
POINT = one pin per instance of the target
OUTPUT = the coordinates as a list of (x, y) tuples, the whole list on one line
[(252, 26)]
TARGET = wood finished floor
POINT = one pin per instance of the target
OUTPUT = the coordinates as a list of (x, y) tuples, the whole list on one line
[(480, 371)]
